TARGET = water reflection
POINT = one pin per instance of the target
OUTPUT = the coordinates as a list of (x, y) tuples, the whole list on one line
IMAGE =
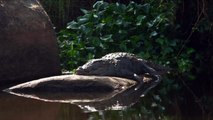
[(91, 102), (20, 108), (145, 108)]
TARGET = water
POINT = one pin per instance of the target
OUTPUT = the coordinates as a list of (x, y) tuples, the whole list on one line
[(19, 108), (125, 106), (14, 107)]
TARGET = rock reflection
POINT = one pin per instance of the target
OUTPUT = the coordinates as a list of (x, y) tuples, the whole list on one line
[(108, 93), (20, 108)]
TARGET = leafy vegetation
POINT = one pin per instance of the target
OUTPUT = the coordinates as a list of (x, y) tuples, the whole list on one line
[(144, 29)]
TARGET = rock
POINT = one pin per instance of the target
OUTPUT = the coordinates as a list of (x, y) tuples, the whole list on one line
[(91, 93), (72, 88), (73, 84), (28, 48)]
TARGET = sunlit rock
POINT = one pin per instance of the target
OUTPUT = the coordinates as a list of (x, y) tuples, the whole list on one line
[(74, 83), (28, 47)]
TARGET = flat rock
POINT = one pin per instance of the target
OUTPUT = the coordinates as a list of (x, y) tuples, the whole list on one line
[(28, 48), (91, 93), (75, 86)]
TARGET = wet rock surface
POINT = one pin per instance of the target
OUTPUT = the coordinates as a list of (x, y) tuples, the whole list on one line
[(28, 47)]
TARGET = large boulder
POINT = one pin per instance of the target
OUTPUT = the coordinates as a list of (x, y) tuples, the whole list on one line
[(28, 48)]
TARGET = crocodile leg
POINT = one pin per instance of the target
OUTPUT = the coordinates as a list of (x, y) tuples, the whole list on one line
[(140, 81), (133, 76), (129, 74), (153, 84)]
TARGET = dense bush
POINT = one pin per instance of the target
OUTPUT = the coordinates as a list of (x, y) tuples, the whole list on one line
[(147, 30)]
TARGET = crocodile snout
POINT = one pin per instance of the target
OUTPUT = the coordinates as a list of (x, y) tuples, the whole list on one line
[(80, 71)]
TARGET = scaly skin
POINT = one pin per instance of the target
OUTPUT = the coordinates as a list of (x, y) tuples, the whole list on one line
[(119, 64)]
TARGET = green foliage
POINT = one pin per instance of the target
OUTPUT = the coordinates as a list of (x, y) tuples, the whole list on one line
[(147, 30)]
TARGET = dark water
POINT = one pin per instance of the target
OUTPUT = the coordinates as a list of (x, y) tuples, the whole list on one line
[(19, 108), (150, 107), (115, 105), (14, 107)]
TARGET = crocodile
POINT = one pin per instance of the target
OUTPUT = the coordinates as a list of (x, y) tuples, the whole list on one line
[(122, 64)]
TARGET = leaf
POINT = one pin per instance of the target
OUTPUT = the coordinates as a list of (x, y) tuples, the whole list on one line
[(160, 41), (95, 16), (140, 19), (123, 46), (153, 34), (168, 50), (146, 8), (190, 50), (100, 5), (90, 48), (72, 25), (84, 11), (173, 43), (83, 20), (100, 26), (119, 22), (107, 38)]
